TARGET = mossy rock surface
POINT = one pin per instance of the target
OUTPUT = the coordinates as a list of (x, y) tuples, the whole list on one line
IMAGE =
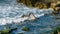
[(25, 29), (6, 31), (56, 30)]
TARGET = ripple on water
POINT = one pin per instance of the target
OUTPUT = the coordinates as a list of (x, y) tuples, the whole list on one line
[(11, 11)]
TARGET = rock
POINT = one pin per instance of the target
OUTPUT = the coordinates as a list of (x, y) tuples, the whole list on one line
[(13, 29), (25, 29), (6, 31), (57, 18), (56, 30), (27, 15), (56, 7), (20, 33), (41, 4), (30, 16)]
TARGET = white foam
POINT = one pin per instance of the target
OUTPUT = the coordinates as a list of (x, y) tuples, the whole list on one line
[(13, 12), (37, 15), (4, 21)]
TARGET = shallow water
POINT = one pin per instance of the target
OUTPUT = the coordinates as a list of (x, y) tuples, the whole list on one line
[(11, 11)]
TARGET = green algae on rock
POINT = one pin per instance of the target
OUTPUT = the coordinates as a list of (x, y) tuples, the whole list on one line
[(56, 30), (25, 29), (5, 31)]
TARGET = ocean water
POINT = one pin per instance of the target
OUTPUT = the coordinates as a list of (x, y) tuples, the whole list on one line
[(11, 13)]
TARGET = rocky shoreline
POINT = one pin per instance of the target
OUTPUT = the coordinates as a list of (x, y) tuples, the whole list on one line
[(42, 4)]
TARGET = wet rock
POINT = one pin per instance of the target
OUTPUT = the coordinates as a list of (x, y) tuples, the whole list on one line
[(41, 4), (56, 30), (54, 13), (56, 6), (30, 16), (25, 29), (20, 33), (13, 29), (5, 31), (27, 15), (57, 18), (57, 10)]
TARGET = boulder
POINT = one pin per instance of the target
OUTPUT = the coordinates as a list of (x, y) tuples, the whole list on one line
[(30, 16), (41, 4)]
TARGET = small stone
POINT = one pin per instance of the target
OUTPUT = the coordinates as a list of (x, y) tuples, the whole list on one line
[(20, 33), (25, 29)]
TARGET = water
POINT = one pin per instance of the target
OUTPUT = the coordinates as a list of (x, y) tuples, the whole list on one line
[(11, 12)]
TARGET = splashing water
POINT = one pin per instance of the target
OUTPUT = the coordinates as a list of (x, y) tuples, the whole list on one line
[(11, 11)]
